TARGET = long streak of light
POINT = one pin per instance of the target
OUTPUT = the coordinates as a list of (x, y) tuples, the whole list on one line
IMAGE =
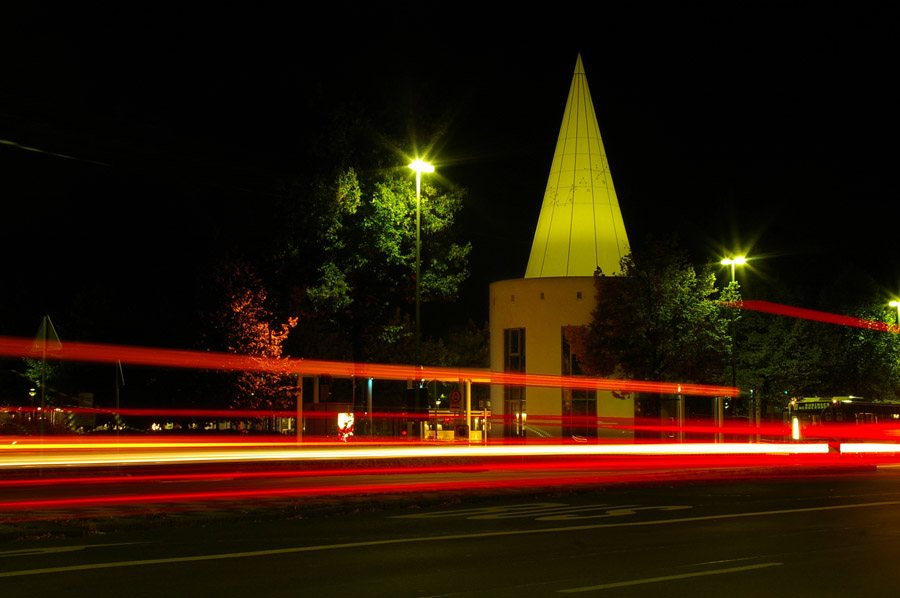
[(82, 497), (850, 431), (600, 463), (160, 454), (63, 491), (869, 447), (92, 352), (810, 314), (31, 506), (734, 427)]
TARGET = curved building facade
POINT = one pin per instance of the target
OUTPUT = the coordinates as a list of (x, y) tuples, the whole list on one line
[(528, 320)]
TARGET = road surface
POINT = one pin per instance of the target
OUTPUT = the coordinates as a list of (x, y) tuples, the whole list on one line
[(836, 535)]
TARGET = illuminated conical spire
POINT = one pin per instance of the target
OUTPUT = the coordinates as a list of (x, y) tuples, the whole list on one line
[(580, 227)]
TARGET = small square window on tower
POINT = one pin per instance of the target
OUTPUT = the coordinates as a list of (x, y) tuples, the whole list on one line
[(578, 295)]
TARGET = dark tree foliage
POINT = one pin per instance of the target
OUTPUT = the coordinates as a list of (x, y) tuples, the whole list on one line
[(660, 320), (350, 266), (339, 248), (859, 361), (780, 358)]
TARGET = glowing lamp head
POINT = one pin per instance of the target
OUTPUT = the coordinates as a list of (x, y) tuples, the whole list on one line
[(420, 166), (894, 303), (738, 261)]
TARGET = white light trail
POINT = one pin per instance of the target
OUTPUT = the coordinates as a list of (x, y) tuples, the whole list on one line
[(179, 453), (869, 447)]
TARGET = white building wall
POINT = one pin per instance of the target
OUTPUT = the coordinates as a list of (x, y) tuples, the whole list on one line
[(542, 306)]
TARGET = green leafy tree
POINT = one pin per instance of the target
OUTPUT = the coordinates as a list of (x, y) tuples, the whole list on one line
[(858, 361), (363, 248), (37, 371), (865, 361), (780, 358), (660, 320)]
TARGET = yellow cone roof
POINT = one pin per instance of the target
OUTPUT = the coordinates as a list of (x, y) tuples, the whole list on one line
[(580, 227)]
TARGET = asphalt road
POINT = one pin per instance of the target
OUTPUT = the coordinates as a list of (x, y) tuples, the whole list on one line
[(836, 535)]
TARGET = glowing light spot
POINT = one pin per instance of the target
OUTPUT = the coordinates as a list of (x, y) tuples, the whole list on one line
[(420, 166)]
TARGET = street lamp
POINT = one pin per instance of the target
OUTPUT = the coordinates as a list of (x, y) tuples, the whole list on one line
[(897, 305), (738, 261), (419, 166)]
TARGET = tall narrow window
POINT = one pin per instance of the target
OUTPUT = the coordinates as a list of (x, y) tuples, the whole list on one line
[(579, 407), (514, 396)]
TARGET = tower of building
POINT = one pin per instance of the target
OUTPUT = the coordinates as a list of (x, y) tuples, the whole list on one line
[(580, 227), (579, 230)]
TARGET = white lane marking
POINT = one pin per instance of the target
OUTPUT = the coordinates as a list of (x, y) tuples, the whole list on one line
[(471, 536), (634, 582)]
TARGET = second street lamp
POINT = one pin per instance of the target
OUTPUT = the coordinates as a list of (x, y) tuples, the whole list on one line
[(419, 166), (738, 261)]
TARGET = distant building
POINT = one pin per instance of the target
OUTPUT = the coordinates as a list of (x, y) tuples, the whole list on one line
[(580, 229)]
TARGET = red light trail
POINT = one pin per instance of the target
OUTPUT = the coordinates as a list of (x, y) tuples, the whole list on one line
[(810, 314), (132, 490), (99, 353), (75, 469)]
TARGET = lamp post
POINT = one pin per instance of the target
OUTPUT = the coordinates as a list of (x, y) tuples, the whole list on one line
[(897, 305), (419, 166), (738, 261)]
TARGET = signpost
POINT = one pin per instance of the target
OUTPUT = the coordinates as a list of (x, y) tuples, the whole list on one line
[(455, 400)]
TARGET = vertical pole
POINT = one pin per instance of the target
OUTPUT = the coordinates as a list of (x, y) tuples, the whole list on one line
[(369, 404), (720, 418), (680, 417), (469, 409), (299, 425), (757, 415), (43, 373), (418, 264), (118, 366)]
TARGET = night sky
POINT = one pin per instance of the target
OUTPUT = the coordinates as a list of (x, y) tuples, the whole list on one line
[(771, 133)]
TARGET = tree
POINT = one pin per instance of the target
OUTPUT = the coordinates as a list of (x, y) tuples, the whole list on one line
[(659, 320), (244, 325), (779, 358), (782, 358), (858, 361), (360, 238), (863, 361)]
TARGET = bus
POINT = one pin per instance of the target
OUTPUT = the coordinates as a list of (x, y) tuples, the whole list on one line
[(836, 412)]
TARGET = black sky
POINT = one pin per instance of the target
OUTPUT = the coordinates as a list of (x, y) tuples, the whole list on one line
[(767, 130)]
